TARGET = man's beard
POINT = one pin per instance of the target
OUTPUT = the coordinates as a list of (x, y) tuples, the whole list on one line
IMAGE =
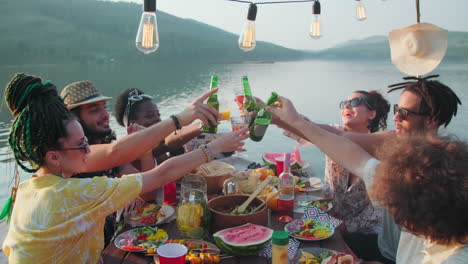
[(98, 136)]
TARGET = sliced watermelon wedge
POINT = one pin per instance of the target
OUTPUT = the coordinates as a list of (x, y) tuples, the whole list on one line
[(270, 160), (243, 240)]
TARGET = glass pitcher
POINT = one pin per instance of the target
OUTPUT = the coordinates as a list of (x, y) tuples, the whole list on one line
[(193, 181), (193, 215)]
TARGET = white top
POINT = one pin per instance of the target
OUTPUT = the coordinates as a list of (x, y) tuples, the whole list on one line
[(416, 250), (368, 172)]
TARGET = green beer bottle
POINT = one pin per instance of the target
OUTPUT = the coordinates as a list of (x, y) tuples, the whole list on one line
[(263, 119), (212, 101), (250, 104)]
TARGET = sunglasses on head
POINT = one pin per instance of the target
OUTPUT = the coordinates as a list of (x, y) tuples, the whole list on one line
[(355, 102), (133, 97), (403, 112)]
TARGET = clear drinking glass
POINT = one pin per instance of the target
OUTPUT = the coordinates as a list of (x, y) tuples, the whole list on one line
[(237, 122)]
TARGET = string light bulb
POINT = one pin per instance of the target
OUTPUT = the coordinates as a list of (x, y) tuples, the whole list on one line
[(360, 11), (316, 25), (247, 37), (147, 38)]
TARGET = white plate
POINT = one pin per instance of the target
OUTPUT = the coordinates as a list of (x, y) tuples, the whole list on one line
[(295, 224), (311, 250), (132, 232), (168, 211), (311, 189)]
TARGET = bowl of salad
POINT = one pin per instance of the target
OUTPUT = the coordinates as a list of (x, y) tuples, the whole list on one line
[(225, 216)]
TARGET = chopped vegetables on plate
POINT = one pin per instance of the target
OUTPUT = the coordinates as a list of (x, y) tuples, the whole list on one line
[(309, 229), (141, 239), (323, 205), (309, 258), (149, 214)]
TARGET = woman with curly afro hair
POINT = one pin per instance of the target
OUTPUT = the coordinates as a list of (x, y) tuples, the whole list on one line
[(422, 181)]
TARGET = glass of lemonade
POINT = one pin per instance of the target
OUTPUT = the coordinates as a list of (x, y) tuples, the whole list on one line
[(225, 110)]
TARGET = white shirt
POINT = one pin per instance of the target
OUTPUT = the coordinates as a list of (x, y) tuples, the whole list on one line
[(415, 250)]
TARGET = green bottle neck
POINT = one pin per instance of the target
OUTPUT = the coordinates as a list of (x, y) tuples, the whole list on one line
[(271, 101), (247, 90)]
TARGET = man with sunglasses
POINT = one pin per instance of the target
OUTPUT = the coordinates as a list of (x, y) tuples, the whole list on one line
[(423, 107), (111, 158)]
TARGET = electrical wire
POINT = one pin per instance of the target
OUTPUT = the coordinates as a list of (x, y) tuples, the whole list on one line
[(279, 2)]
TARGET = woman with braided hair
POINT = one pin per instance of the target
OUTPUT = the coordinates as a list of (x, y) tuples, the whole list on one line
[(59, 219)]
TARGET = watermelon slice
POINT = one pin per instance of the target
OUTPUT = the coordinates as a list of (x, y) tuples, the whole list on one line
[(243, 240), (270, 160)]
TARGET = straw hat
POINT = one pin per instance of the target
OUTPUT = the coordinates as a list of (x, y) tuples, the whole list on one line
[(417, 49), (80, 93)]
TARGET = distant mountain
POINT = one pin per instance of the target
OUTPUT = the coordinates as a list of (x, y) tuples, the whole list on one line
[(377, 48), (90, 31)]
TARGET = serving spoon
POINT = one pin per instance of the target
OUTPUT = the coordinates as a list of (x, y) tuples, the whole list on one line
[(243, 206), (264, 202)]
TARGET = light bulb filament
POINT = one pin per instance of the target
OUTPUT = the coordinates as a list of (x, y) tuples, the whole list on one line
[(148, 32)]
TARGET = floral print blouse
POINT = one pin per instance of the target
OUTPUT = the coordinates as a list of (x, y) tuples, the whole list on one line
[(350, 200)]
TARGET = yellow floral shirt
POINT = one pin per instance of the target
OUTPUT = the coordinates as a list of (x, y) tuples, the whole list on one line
[(57, 220)]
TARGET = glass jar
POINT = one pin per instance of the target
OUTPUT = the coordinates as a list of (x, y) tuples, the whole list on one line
[(193, 181), (193, 215)]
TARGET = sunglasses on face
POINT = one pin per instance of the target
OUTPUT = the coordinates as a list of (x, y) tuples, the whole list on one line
[(83, 148), (403, 112), (133, 97), (355, 102)]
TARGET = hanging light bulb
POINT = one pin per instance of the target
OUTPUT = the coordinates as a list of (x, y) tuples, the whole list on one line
[(247, 36), (147, 38), (316, 25), (360, 11)]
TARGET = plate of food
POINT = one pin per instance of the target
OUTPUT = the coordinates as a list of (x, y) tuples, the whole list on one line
[(142, 239), (316, 255), (308, 184), (149, 214), (199, 251), (324, 205), (309, 229)]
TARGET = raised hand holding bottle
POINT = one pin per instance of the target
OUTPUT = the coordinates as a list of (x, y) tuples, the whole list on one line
[(258, 128), (212, 101)]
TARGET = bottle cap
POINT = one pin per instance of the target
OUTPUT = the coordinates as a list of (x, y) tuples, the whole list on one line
[(280, 238)]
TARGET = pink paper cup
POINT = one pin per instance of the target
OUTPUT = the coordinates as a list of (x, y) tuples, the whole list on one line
[(172, 253)]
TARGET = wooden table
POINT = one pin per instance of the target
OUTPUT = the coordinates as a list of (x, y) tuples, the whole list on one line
[(112, 254)]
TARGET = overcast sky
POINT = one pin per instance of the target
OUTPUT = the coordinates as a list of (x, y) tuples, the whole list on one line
[(288, 24)]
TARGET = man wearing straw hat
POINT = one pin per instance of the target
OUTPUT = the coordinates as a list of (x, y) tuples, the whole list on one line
[(423, 107), (112, 158), (89, 106)]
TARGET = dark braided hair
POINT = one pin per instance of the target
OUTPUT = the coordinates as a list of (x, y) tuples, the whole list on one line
[(121, 102), (381, 107), (39, 119), (437, 99)]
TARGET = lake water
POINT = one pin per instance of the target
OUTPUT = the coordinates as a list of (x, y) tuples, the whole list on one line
[(316, 88)]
